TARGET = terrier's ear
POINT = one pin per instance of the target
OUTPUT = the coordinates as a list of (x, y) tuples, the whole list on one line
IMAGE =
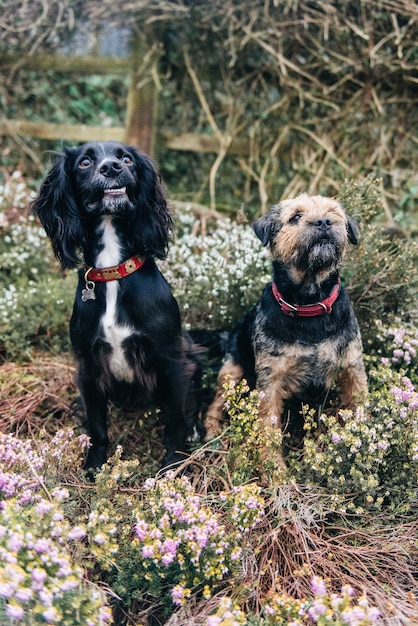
[(263, 228), (353, 231)]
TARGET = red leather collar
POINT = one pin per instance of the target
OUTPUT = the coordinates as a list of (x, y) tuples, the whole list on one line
[(307, 310), (106, 274)]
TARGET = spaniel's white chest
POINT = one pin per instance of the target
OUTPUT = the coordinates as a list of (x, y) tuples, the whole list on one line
[(114, 332)]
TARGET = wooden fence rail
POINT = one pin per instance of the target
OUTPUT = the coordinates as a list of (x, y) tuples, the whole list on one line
[(142, 104)]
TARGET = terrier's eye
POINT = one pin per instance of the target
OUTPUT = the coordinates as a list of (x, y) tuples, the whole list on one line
[(295, 218), (85, 162), (127, 159)]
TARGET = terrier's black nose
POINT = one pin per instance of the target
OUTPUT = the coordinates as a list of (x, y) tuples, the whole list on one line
[(323, 223)]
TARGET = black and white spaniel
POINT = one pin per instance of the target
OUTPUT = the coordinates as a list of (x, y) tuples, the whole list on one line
[(103, 205)]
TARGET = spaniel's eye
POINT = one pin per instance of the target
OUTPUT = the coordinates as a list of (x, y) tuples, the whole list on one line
[(127, 160), (85, 162), (295, 218)]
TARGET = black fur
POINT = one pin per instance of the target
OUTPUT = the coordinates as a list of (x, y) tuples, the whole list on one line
[(157, 362)]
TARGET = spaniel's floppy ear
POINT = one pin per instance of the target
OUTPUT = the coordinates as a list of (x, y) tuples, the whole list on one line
[(56, 208), (153, 222)]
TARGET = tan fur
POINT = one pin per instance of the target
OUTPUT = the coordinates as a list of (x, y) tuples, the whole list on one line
[(228, 371)]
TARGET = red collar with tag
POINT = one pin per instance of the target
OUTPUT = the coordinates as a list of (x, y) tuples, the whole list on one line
[(105, 274), (307, 310)]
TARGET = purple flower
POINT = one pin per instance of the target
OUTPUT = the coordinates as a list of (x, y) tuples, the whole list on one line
[(6, 590), (148, 552), (41, 545), (24, 595), (141, 528), (317, 609), (77, 533), (44, 507), (167, 559), (38, 575), (177, 595), (14, 611), (318, 586)]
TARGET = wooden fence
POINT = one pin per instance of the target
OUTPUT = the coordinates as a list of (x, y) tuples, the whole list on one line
[(141, 127)]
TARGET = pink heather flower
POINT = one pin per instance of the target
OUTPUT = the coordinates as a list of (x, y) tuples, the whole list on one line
[(50, 615), (149, 484), (46, 597), (213, 620), (347, 590), (155, 533), (373, 614), (24, 595), (6, 590), (167, 559), (148, 552), (336, 438), (76, 533), (170, 546), (44, 507), (317, 609), (60, 494), (14, 611), (68, 585), (41, 545), (318, 586), (14, 543), (353, 616), (38, 575), (177, 595), (141, 528)]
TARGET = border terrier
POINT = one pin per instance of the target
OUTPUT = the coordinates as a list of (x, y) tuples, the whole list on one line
[(302, 337)]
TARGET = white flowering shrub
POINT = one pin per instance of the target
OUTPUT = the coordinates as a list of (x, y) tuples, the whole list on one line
[(218, 275)]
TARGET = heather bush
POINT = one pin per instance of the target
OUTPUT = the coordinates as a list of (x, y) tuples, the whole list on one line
[(169, 542), (41, 580), (371, 453)]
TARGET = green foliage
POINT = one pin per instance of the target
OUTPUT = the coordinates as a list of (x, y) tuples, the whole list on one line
[(254, 447), (381, 272)]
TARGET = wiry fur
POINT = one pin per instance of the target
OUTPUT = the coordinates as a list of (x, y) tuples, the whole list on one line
[(100, 204), (295, 360)]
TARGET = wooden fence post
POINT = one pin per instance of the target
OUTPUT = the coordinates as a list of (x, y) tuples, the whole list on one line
[(142, 104)]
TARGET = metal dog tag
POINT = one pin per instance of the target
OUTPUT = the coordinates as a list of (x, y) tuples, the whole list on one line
[(88, 292)]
